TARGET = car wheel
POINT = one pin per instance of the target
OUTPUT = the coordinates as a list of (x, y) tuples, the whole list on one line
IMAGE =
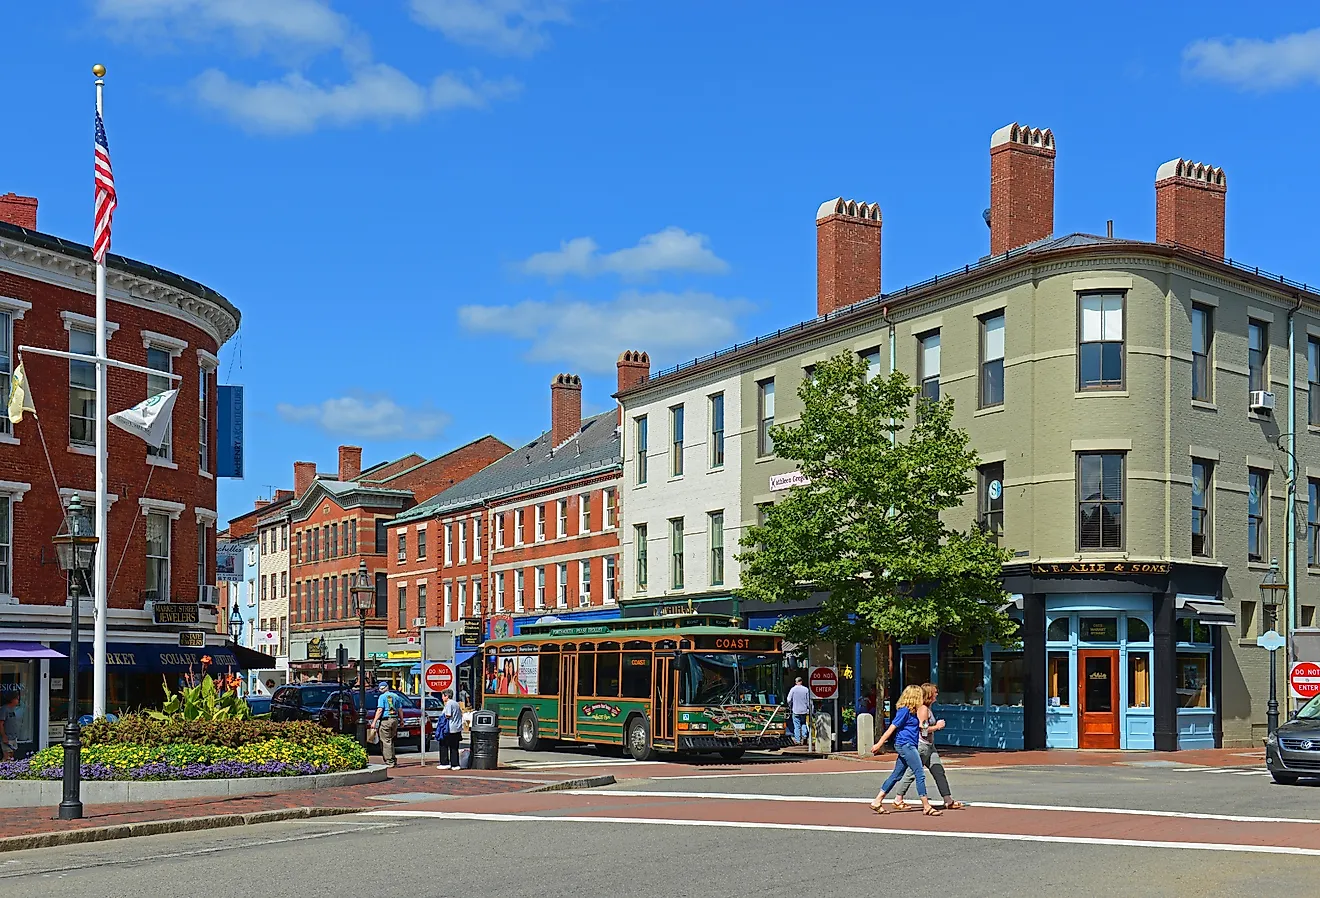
[(1284, 779), (529, 732), (639, 739)]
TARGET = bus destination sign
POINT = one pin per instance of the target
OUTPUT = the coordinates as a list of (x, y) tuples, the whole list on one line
[(735, 643)]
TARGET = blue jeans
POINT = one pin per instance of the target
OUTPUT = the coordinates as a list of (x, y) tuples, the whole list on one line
[(800, 728), (908, 759)]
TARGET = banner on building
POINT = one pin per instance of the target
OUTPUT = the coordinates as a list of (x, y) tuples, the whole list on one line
[(229, 432), (227, 564)]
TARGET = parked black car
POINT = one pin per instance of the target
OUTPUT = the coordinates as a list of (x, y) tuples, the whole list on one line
[(334, 709), (1294, 750)]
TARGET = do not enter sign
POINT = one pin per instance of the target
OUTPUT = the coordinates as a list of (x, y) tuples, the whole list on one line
[(823, 683), (439, 676), (1304, 678)]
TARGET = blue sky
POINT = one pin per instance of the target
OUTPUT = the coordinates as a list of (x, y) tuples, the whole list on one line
[(427, 208)]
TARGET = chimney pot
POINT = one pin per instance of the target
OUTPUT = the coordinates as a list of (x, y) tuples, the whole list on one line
[(1021, 186), (350, 463), (634, 369), (304, 475), (1189, 205), (19, 210), (847, 253), (565, 407)]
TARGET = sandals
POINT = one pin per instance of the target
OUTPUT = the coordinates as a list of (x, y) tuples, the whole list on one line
[(879, 809), (932, 812), (951, 805), (900, 804)]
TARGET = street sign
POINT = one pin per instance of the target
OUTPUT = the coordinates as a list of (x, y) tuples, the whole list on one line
[(1271, 640), (1304, 679), (471, 634), (823, 683), (439, 676), (192, 639)]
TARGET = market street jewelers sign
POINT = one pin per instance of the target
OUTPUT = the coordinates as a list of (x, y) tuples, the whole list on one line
[(1102, 567), (174, 613)]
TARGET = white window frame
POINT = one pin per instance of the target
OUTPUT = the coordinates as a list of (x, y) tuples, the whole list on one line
[(519, 590), (499, 530), (610, 499), (462, 542), (476, 539), (611, 579), (172, 348), (561, 518), (584, 513), (540, 522), (561, 585), (449, 598), (540, 587), (7, 500), (449, 545), (166, 557), (462, 601), (74, 385), (499, 591), (476, 597), (584, 582), (520, 527)]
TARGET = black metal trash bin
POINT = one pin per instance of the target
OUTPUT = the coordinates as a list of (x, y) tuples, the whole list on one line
[(484, 745)]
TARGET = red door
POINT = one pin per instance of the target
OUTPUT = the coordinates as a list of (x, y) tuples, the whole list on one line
[(1097, 691)]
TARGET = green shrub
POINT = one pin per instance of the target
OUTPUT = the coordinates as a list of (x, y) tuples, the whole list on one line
[(332, 754), (202, 702), (143, 729)]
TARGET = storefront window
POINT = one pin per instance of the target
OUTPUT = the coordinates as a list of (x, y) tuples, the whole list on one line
[(1193, 681), (916, 668), (1060, 678), (962, 680), (1138, 631), (17, 678), (1008, 673), (1098, 629), (1058, 631), (1192, 631), (1138, 678)]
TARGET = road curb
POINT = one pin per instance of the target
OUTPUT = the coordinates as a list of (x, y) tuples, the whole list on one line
[(159, 827), (586, 782)]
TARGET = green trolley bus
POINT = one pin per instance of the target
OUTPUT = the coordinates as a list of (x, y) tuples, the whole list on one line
[(690, 684)]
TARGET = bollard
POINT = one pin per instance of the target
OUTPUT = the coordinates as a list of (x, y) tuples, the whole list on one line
[(865, 734)]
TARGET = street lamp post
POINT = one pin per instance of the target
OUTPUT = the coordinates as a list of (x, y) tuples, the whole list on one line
[(364, 600), (235, 624), (1270, 587), (75, 549)]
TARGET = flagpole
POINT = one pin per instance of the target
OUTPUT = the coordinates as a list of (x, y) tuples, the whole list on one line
[(102, 474)]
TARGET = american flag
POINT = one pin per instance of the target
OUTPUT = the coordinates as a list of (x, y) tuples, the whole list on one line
[(106, 198)]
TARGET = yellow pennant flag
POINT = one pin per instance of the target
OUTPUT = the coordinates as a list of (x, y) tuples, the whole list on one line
[(20, 399)]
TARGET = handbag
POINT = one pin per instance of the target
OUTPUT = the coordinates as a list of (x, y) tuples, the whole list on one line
[(373, 736)]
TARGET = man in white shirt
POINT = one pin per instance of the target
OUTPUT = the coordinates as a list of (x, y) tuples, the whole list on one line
[(799, 705)]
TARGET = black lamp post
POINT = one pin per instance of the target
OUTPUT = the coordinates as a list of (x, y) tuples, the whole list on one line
[(235, 624), (1270, 588), (364, 600), (75, 549)]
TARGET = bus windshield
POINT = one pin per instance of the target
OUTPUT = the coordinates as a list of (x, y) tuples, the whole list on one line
[(712, 678)]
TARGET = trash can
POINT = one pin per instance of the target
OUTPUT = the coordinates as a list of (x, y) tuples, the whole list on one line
[(485, 741)]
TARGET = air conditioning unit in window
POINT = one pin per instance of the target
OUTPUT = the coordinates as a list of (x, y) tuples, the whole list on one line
[(1262, 402), (419, 622)]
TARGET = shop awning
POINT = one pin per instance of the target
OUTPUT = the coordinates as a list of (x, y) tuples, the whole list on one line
[(27, 651), (250, 659), (1208, 610), (463, 656), (145, 657)]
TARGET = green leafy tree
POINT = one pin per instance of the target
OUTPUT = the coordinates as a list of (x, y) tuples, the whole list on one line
[(867, 534)]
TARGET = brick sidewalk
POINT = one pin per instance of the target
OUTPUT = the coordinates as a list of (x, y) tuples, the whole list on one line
[(979, 757)]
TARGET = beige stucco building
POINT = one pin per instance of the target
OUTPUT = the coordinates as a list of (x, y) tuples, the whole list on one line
[(1118, 392)]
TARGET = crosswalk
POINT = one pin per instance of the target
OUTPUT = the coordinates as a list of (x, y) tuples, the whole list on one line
[(1227, 771)]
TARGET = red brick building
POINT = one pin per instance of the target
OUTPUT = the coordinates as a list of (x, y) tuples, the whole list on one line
[(339, 520), (162, 513), (535, 533)]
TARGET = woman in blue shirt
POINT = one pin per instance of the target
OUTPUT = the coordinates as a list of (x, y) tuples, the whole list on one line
[(906, 730)]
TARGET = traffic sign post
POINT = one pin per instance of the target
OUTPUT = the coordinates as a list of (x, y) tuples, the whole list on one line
[(439, 676), (1304, 679)]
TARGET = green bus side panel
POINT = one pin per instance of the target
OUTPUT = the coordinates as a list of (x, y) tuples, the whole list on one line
[(510, 708)]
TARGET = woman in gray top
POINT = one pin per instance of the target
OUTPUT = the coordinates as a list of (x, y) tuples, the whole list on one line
[(452, 716), (930, 758)]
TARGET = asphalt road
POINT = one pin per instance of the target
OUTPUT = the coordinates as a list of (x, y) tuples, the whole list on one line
[(546, 858)]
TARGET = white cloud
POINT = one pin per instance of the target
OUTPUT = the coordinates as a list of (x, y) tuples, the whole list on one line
[(589, 336), (257, 24), (378, 93), (502, 26), (672, 249), (369, 417), (1255, 64)]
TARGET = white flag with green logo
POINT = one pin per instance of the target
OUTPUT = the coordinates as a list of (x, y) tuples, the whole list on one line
[(149, 419)]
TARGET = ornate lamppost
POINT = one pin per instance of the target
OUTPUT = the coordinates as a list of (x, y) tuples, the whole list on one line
[(75, 549), (1270, 587), (364, 601)]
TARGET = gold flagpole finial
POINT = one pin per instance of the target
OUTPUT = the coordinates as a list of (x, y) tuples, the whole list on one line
[(98, 70)]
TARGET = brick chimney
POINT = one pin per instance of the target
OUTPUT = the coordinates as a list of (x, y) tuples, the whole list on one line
[(634, 369), (1021, 187), (282, 495), (847, 253), (19, 210), (1189, 205), (565, 407), (350, 463), (304, 475), (260, 503)]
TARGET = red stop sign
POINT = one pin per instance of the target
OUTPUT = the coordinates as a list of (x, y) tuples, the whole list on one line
[(439, 676), (823, 683), (1304, 678)]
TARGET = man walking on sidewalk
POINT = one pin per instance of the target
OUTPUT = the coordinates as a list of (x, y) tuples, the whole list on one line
[(799, 705), (389, 714)]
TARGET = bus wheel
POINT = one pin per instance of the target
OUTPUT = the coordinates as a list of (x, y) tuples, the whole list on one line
[(529, 732), (639, 739), (732, 754)]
